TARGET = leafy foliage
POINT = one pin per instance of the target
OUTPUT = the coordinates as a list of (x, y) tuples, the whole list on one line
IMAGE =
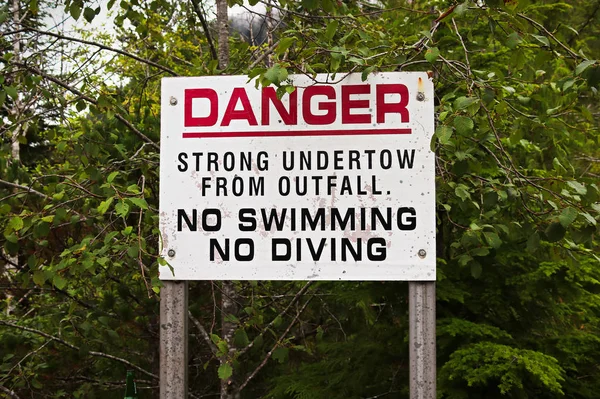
[(517, 145)]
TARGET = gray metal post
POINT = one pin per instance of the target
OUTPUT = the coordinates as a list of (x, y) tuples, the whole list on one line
[(421, 305), (174, 340)]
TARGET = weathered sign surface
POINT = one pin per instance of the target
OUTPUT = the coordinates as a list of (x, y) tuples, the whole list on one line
[(330, 182)]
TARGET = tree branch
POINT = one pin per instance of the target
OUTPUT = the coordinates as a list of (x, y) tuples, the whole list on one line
[(270, 353), (543, 29), (76, 348), (198, 11), (9, 392), (585, 24), (73, 90), (200, 327), (264, 55), (284, 311), (27, 189), (102, 46)]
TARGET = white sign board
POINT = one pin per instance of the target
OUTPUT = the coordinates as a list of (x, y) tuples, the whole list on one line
[(334, 181)]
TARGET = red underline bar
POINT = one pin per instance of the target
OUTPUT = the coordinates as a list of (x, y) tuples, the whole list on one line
[(283, 133)]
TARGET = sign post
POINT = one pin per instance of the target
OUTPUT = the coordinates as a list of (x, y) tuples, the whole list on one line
[(421, 302), (331, 181), (174, 340)]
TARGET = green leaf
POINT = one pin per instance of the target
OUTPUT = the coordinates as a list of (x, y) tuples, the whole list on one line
[(461, 8), (104, 205), (558, 166), (122, 209), (555, 232), (133, 189), (225, 371), (567, 216), (39, 277), (331, 30), (463, 124), (492, 239), (75, 10), (284, 44), (432, 54), (513, 40), (81, 105), (443, 134), (11, 91), (276, 74), (583, 66), (509, 89), (240, 338), (12, 238), (578, 187), (464, 259), (483, 251), (365, 74), (281, 354), (589, 218), (476, 270), (310, 4), (542, 39), (567, 85), (584, 234), (133, 251), (112, 176), (328, 6), (336, 61), (89, 14), (139, 202), (461, 192), (215, 339), (59, 281), (16, 223), (42, 229), (464, 102)]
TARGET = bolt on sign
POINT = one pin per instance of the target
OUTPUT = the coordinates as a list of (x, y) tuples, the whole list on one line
[(333, 181)]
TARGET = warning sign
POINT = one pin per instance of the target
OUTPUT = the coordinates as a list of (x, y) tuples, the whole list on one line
[(333, 181)]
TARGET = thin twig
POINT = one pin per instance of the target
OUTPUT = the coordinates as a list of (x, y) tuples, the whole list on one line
[(9, 392), (263, 55), (548, 33), (102, 46), (76, 348), (270, 353), (140, 250), (590, 18), (465, 50), (200, 327), (27, 189), (283, 312), (198, 11), (73, 90), (24, 358)]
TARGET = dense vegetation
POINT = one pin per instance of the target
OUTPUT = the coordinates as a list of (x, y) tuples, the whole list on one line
[(518, 202)]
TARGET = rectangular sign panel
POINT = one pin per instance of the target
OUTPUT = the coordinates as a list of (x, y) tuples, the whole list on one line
[(334, 181)]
